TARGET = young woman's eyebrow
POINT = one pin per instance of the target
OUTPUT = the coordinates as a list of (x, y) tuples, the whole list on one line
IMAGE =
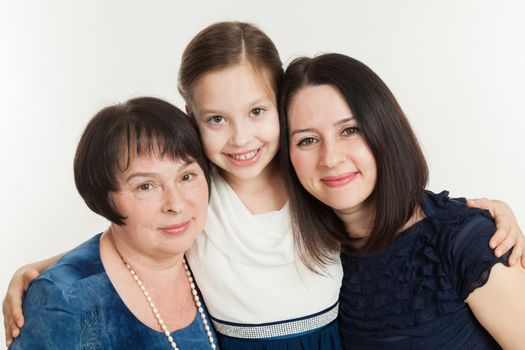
[(339, 122)]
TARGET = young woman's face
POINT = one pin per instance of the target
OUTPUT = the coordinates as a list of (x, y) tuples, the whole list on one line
[(236, 113), (328, 153), (165, 203)]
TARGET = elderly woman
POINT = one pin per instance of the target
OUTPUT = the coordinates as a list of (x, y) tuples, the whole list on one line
[(140, 165), (418, 270)]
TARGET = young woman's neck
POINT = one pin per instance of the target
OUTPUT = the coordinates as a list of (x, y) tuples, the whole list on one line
[(359, 221), (263, 193)]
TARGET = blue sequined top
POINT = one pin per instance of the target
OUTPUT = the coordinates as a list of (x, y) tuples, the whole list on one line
[(411, 294), (73, 305)]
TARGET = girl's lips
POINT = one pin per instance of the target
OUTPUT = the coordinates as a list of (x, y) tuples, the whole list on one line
[(339, 180), (245, 158), (176, 229)]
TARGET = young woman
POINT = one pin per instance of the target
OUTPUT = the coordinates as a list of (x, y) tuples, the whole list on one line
[(140, 165), (418, 270), (259, 289)]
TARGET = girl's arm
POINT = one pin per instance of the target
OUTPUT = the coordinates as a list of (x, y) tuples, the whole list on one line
[(12, 304), (51, 321), (500, 305), (508, 234)]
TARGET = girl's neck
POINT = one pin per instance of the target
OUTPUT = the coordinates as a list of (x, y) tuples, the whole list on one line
[(263, 193)]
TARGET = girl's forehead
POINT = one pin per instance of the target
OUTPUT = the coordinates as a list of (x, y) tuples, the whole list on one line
[(230, 84)]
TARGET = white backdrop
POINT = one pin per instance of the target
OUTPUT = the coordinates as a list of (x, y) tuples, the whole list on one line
[(457, 68)]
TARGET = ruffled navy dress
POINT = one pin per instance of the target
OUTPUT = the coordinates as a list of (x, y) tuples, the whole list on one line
[(73, 305), (411, 294)]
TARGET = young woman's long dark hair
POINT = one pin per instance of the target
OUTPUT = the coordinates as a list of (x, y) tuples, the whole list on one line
[(402, 171)]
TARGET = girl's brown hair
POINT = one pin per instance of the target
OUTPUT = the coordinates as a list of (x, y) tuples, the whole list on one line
[(224, 44)]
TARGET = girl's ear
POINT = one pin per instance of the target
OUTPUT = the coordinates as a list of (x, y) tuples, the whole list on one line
[(188, 110)]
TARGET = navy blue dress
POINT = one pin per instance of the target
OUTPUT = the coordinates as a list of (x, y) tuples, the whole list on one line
[(411, 294), (73, 305)]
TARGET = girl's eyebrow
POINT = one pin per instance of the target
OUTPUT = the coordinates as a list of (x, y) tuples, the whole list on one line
[(261, 99), (254, 102), (337, 123)]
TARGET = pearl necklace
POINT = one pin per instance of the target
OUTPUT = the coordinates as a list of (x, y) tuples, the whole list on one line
[(161, 323)]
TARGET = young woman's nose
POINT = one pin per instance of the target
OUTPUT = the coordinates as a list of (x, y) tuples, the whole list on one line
[(332, 154)]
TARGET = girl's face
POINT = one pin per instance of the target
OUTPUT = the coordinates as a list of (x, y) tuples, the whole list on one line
[(236, 112), (328, 153)]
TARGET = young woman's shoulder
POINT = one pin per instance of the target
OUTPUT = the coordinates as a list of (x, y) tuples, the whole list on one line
[(461, 235)]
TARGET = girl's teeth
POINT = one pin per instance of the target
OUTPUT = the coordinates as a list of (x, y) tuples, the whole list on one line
[(244, 156)]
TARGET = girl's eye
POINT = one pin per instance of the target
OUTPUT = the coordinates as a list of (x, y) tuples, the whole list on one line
[(257, 111), (350, 131), (307, 141), (145, 187), (216, 119)]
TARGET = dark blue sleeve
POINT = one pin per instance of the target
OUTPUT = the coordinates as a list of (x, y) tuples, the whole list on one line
[(49, 320), (471, 256)]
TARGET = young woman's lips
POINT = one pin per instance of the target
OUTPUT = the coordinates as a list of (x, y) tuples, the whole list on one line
[(176, 229), (244, 158), (339, 180)]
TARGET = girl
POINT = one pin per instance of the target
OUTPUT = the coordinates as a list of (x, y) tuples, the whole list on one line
[(261, 292), (418, 272)]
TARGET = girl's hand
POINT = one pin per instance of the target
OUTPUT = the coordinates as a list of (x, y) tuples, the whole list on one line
[(12, 305), (508, 234)]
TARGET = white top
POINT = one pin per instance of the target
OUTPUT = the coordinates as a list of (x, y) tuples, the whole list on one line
[(247, 268)]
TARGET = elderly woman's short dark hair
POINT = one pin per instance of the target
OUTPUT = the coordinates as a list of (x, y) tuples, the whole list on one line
[(143, 126)]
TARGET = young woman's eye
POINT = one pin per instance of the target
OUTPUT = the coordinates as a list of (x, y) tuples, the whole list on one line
[(257, 111), (216, 119), (307, 141), (350, 131)]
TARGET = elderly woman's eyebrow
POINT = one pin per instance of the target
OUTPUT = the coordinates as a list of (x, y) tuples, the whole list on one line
[(186, 164)]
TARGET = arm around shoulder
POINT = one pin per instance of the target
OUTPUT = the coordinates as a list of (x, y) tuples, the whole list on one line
[(50, 322), (499, 305)]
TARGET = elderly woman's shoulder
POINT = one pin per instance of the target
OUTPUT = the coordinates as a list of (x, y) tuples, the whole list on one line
[(81, 263)]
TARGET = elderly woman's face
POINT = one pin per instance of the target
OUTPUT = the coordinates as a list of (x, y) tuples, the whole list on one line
[(165, 203)]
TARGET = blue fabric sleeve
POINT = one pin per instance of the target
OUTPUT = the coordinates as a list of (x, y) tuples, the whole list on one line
[(49, 320), (472, 258)]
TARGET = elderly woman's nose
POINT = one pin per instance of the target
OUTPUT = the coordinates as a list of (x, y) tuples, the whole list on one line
[(173, 200)]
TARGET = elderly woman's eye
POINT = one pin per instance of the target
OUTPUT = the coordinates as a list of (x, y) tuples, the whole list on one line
[(145, 187), (187, 177)]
